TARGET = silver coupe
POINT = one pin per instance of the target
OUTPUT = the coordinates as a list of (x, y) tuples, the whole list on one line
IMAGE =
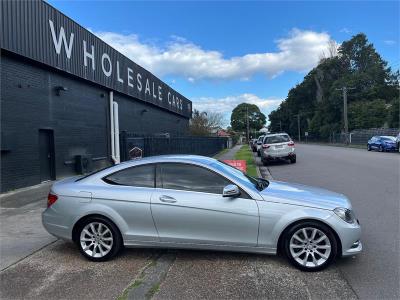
[(185, 201)]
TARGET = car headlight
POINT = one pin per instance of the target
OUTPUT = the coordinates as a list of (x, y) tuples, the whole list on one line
[(345, 214)]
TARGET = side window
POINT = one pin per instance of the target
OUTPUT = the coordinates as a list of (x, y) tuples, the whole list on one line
[(191, 178), (140, 176)]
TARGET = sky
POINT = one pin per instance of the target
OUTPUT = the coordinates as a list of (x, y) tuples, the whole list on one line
[(222, 53)]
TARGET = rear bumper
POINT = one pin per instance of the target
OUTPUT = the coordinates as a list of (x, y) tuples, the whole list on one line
[(51, 222), (278, 155)]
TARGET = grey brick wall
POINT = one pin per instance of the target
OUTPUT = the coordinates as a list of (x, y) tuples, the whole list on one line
[(79, 118)]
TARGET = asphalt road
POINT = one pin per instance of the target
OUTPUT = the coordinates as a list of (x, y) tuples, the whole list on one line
[(371, 181)]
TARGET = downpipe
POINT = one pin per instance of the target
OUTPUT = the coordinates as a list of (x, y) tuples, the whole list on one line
[(114, 123), (116, 133)]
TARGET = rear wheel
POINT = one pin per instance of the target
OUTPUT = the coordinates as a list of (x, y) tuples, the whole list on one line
[(99, 239), (310, 246), (380, 148), (293, 159), (368, 147)]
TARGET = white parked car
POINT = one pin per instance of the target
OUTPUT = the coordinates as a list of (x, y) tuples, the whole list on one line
[(277, 146)]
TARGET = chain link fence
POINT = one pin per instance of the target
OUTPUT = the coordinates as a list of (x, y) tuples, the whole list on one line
[(355, 137)]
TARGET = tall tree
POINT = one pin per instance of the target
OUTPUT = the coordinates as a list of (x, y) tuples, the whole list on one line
[(319, 103), (243, 111)]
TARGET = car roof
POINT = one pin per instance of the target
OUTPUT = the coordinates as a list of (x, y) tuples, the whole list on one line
[(275, 134), (387, 136), (169, 158)]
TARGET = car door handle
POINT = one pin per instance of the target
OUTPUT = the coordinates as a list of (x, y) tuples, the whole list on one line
[(167, 199)]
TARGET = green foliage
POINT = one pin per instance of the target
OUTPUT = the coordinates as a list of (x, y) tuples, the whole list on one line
[(317, 99), (371, 114), (394, 113), (239, 117)]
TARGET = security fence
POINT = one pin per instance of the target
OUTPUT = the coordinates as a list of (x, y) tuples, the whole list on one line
[(132, 145), (355, 137)]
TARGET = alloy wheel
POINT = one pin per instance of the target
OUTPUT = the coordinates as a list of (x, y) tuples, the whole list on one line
[(96, 239), (310, 247)]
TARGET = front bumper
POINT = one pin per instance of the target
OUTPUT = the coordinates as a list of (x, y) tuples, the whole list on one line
[(349, 235)]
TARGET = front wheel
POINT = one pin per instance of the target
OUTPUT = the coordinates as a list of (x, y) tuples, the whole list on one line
[(99, 239), (310, 246), (368, 147), (380, 148)]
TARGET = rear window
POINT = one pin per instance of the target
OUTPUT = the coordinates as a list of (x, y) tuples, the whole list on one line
[(277, 139), (140, 176)]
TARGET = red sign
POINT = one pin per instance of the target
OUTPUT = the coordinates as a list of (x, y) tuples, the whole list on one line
[(238, 164)]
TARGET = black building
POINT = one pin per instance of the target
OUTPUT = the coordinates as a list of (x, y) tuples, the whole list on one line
[(59, 83)]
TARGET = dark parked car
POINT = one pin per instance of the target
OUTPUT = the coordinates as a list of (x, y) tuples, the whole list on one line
[(253, 145), (382, 143)]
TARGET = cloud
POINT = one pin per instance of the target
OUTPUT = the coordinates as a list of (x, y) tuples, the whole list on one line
[(345, 30), (390, 42), (299, 51), (225, 105)]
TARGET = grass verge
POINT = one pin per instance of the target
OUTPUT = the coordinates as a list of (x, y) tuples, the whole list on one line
[(245, 154)]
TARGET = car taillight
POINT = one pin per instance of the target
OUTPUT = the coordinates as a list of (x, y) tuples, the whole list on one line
[(291, 144), (51, 199), (265, 146)]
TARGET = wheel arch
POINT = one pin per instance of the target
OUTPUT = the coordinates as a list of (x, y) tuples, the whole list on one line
[(78, 224), (289, 226)]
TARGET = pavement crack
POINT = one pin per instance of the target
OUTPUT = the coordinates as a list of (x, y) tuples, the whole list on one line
[(148, 282)]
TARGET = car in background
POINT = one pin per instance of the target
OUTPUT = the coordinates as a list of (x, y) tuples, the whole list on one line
[(197, 202), (277, 146), (382, 143), (253, 145), (258, 144), (398, 142)]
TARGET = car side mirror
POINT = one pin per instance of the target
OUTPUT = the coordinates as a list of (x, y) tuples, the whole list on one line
[(231, 190)]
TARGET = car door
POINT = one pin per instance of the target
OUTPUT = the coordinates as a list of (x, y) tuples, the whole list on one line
[(188, 207), (128, 192)]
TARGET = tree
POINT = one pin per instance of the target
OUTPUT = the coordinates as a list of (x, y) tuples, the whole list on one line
[(372, 102), (239, 117), (203, 123)]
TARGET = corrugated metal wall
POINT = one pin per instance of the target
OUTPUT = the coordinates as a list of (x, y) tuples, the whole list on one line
[(25, 30)]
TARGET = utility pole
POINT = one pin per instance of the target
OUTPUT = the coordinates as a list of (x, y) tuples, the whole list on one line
[(280, 126), (345, 119), (247, 119)]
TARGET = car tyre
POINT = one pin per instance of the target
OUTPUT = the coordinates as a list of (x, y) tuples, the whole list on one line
[(99, 239), (380, 148), (310, 246), (292, 160), (368, 148), (258, 153), (264, 162)]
